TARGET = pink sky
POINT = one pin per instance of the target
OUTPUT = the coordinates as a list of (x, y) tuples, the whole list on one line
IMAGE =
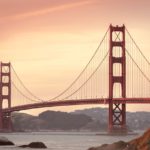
[(54, 37)]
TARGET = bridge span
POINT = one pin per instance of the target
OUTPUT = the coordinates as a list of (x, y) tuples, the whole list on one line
[(118, 69)]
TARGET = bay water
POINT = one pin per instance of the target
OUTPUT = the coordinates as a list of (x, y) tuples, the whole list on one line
[(62, 140)]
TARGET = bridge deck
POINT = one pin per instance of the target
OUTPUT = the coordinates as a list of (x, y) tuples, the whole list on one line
[(78, 102)]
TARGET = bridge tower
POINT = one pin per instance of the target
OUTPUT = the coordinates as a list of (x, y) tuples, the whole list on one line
[(117, 111), (5, 95)]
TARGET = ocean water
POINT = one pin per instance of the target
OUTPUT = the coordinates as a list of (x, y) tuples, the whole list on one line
[(62, 140)]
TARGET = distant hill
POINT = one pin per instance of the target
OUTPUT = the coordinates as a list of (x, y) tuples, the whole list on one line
[(63, 120), (94, 119), (135, 120), (22, 121), (50, 120)]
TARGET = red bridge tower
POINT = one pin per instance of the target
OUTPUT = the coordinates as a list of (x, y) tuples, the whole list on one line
[(5, 90), (117, 111)]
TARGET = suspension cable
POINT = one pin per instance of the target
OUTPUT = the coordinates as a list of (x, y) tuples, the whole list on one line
[(22, 93), (25, 86), (137, 47), (82, 70), (89, 77), (18, 89), (138, 66), (39, 99)]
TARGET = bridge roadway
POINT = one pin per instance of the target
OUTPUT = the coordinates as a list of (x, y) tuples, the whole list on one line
[(77, 102)]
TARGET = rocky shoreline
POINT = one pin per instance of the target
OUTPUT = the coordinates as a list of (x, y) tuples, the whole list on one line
[(5, 142), (140, 143)]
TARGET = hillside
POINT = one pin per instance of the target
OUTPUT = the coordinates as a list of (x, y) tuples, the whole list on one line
[(50, 120), (135, 120), (94, 119)]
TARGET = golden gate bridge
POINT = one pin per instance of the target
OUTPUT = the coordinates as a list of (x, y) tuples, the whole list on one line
[(117, 74)]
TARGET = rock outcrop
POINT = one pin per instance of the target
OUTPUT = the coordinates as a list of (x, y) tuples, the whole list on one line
[(115, 146), (5, 142), (141, 143), (34, 145)]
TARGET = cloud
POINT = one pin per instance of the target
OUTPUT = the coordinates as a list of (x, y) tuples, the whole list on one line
[(48, 10)]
